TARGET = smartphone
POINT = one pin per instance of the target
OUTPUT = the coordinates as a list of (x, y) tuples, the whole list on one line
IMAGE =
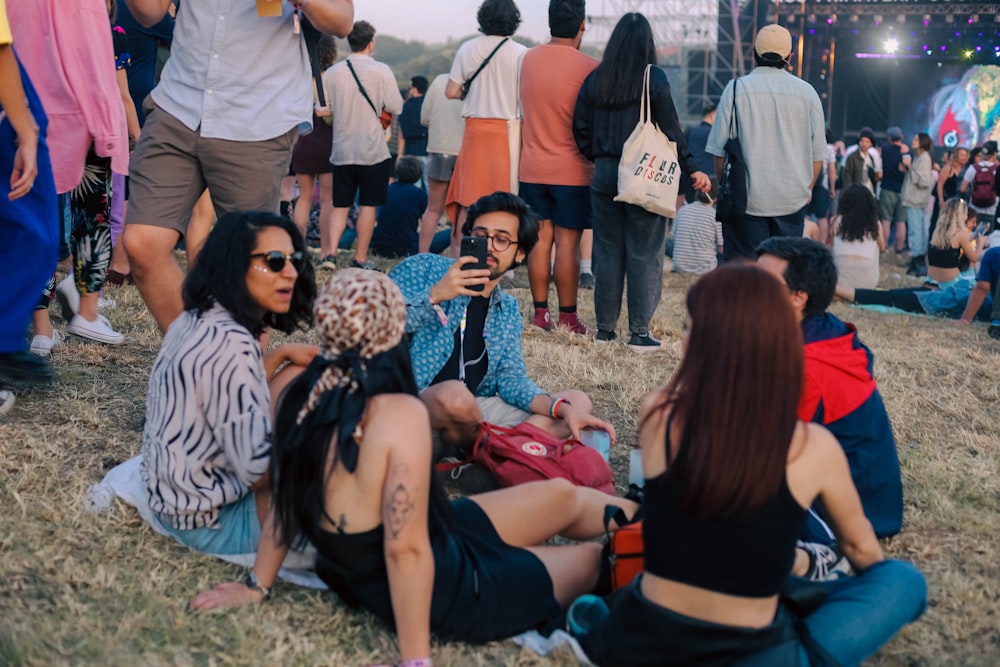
[(474, 246), (981, 229)]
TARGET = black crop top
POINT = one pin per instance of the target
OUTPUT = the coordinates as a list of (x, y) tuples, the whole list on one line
[(944, 258), (745, 555)]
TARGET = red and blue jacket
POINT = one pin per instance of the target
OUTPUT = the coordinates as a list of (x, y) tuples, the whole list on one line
[(840, 393)]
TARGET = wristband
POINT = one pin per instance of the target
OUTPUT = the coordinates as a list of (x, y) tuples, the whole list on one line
[(419, 662), (253, 584), (442, 317), (554, 408)]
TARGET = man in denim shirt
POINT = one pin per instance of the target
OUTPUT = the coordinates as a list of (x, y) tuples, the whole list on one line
[(232, 99), (466, 343)]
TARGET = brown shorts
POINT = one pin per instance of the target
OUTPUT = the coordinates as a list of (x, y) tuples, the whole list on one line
[(172, 165)]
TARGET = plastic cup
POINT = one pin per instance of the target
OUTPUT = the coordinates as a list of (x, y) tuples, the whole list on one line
[(635, 472)]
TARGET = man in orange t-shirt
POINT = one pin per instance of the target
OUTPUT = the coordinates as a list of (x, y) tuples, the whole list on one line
[(554, 176)]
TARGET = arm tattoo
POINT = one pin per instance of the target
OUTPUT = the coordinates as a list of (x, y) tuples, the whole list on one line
[(398, 506)]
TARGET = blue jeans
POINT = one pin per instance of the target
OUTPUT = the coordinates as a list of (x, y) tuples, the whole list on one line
[(237, 532), (628, 243), (739, 240), (916, 231), (864, 612)]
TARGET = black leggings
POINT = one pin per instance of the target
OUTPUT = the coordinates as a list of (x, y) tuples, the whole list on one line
[(904, 299)]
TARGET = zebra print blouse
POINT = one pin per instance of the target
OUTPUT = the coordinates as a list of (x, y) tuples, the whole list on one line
[(207, 436)]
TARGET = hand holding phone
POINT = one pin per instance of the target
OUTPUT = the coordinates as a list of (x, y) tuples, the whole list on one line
[(474, 246)]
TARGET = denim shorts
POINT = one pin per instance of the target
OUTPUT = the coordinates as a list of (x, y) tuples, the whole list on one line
[(567, 206), (236, 532)]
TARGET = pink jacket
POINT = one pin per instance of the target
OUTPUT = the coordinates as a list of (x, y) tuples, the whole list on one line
[(66, 49)]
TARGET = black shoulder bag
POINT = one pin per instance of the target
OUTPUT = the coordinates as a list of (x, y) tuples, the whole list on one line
[(468, 82), (732, 201), (384, 116)]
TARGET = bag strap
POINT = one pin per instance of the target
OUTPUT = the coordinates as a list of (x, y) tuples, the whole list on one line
[(362, 88), (735, 117), (646, 104), (468, 82), (312, 36)]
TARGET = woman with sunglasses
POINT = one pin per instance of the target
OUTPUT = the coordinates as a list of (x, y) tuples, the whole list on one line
[(206, 443)]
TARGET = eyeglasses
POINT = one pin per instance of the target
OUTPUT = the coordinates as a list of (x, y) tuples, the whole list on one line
[(276, 259), (500, 243)]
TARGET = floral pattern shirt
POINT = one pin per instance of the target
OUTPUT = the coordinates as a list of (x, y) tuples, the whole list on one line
[(432, 342)]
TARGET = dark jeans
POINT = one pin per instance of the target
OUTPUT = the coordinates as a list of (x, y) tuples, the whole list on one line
[(628, 243), (740, 240)]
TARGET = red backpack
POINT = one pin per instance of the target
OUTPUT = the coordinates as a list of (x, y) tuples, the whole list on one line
[(526, 453), (983, 192)]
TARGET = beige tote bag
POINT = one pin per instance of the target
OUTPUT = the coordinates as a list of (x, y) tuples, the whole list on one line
[(648, 172)]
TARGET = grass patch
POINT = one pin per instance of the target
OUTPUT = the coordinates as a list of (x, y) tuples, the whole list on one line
[(83, 588)]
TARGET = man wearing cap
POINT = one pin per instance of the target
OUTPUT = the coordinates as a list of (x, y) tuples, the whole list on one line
[(895, 160), (780, 122)]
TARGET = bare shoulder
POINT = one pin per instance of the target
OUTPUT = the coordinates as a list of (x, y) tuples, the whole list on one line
[(397, 411), (820, 446), (654, 402)]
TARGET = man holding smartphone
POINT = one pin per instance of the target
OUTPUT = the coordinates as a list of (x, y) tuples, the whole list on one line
[(465, 333)]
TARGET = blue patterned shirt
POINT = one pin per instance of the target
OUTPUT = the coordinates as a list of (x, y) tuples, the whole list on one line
[(431, 343)]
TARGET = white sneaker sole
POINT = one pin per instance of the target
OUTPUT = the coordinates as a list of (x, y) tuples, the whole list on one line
[(98, 336)]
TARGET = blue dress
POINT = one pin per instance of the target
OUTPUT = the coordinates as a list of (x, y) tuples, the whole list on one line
[(29, 230)]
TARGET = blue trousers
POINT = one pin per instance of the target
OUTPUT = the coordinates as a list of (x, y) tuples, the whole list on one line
[(739, 240), (29, 233)]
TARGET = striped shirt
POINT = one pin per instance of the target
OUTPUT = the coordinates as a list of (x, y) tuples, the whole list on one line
[(697, 239), (207, 437)]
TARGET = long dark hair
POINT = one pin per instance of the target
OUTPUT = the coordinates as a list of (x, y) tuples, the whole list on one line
[(300, 455), (618, 79), (219, 275), (858, 214), (736, 391)]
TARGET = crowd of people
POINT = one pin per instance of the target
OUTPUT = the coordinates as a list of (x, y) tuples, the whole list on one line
[(772, 433)]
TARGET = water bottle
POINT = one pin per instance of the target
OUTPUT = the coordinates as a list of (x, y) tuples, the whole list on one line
[(599, 440), (635, 472)]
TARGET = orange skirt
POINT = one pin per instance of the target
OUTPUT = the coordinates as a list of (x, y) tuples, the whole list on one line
[(483, 165)]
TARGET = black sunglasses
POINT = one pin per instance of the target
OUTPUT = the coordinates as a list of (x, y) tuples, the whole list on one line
[(276, 259)]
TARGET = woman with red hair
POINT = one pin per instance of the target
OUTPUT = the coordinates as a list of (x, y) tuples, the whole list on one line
[(730, 475)]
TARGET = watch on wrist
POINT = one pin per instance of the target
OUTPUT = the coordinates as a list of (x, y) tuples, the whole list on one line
[(251, 582)]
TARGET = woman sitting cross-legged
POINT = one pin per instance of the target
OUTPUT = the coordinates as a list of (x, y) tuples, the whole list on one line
[(207, 437), (351, 472), (730, 474), (951, 251), (857, 238)]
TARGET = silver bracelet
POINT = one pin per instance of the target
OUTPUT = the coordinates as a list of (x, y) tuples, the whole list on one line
[(251, 582)]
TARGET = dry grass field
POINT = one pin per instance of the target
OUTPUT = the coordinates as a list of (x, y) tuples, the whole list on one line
[(80, 588)]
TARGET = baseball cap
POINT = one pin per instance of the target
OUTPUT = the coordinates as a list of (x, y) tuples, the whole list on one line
[(775, 39), (894, 133), (990, 147)]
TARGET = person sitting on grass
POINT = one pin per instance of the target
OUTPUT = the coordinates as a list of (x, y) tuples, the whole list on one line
[(465, 334), (697, 234), (839, 392), (857, 238), (351, 472), (207, 436), (950, 252), (399, 218), (729, 465)]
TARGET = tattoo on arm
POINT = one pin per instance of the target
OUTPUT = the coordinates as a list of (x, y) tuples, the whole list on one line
[(399, 505)]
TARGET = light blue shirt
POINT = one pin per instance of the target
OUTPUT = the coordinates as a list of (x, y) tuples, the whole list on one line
[(432, 342), (781, 131), (239, 76)]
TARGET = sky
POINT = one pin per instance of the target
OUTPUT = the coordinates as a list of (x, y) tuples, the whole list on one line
[(433, 21)]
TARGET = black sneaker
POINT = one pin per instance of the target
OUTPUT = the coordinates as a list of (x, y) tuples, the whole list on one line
[(643, 343), (26, 368), (994, 331), (586, 281), (368, 265), (605, 337)]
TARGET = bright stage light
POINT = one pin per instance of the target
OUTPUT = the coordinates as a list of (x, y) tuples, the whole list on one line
[(968, 54), (891, 45)]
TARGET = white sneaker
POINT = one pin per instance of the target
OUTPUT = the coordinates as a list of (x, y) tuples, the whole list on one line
[(42, 345), (99, 330), (70, 297), (6, 401)]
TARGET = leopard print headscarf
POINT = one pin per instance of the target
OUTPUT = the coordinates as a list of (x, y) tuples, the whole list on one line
[(358, 314)]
